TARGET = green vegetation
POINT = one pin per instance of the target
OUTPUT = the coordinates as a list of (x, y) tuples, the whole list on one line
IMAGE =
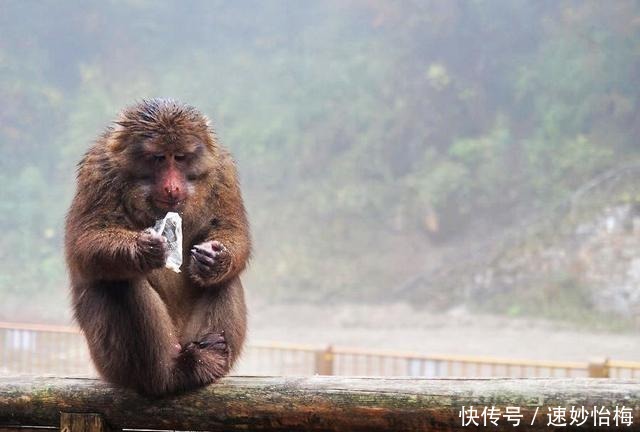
[(368, 134)]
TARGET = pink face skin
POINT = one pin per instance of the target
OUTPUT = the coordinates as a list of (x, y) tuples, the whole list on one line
[(171, 186)]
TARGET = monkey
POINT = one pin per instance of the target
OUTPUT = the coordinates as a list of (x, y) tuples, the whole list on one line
[(147, 327)]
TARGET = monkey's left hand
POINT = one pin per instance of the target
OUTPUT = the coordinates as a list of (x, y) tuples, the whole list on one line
[(210, 261)]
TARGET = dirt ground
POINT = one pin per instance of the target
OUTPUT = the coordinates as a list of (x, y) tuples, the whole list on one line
[(398, 327)]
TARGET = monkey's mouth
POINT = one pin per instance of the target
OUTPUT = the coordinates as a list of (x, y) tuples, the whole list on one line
[(169, 205)]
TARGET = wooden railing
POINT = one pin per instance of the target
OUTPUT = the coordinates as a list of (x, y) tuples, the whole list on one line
[(322, 403), (58, 350), (352, 361)]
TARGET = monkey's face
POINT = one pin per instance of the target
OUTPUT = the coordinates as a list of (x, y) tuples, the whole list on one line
[(166, 171), (165, 151)]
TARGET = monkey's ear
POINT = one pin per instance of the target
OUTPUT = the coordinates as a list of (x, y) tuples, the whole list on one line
[(116, 137)]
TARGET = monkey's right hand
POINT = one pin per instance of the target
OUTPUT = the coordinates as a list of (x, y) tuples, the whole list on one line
[(151, 250)]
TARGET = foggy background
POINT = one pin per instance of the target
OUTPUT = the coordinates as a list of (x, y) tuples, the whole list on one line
[(433, 176)]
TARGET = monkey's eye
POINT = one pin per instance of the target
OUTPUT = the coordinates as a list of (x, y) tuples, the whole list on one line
[(159, 157), (179, 157)]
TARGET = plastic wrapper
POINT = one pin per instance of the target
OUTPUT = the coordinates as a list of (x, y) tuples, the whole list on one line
[(170, 227)]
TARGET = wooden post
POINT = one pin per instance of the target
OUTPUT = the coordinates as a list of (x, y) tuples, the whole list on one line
[(81, 422), (598, 368), (324, 361)]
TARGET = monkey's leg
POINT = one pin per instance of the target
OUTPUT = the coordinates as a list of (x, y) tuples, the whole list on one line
[(133, 342), (220, 309)]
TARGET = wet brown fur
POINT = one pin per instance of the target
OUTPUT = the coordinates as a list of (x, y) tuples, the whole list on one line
[(150, 328)]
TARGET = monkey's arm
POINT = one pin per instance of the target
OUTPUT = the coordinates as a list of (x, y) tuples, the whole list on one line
[(113, 253), (98, 244), (227, 245)]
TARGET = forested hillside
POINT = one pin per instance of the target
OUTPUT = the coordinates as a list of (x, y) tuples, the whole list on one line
[(373, 138)]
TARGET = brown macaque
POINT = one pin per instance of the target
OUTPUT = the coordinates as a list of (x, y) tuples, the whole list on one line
[(147, 327)]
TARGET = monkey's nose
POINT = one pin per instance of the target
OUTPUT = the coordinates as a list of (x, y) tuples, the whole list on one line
[(172, 191)]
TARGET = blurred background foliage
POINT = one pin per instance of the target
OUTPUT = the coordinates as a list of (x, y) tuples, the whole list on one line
[(371, 136)]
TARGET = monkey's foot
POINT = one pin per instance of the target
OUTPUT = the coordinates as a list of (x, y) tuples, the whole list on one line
[(210, 353), (213, 341), (210, 341)]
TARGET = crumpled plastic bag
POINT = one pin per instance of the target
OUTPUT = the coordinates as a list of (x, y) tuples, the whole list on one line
[(170, 227)]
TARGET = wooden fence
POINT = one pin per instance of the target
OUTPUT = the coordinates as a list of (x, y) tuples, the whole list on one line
[(324, 403), (56, 350)]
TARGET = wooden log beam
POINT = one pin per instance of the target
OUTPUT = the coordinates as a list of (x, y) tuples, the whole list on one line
[(318, 403)]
